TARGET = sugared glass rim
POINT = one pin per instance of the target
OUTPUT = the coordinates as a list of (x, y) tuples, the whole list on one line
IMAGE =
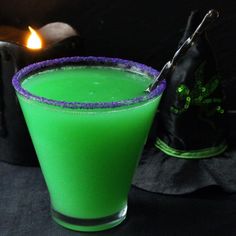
[(90, 60)]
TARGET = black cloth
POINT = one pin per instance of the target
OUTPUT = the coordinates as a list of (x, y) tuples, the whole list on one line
[(158, 172), (25, 210)]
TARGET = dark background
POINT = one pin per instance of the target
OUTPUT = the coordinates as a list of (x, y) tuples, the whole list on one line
[(144, 31)]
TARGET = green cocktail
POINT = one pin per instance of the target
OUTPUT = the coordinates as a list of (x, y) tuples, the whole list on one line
[(88, 118)]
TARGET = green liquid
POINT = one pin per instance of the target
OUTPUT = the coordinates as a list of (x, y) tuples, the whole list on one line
[(88, 157), (87, 84)]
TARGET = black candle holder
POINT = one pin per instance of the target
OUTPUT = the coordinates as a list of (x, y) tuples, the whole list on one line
[(59, 40)]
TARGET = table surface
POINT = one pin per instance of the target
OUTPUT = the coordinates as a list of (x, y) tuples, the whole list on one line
[(25, 210)]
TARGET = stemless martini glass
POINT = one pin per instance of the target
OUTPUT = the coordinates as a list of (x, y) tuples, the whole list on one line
[(88, 118)]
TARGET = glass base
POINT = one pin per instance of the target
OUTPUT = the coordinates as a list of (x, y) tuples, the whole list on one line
[(89, 225)]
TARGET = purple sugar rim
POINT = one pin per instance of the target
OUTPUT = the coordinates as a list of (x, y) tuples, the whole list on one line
[(91, 60)]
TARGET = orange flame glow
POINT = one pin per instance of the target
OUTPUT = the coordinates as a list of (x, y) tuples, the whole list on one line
[(33, 41)]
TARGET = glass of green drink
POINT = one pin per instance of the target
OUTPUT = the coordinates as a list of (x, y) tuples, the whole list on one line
[(88, 118)]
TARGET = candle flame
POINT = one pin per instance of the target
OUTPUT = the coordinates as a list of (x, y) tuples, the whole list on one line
[(33, 41)]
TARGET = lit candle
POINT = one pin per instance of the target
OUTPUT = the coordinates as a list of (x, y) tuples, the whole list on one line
[(33, 41), (17, 49)]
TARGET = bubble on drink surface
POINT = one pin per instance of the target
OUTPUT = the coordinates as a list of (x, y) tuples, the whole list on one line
[(96, 83)]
